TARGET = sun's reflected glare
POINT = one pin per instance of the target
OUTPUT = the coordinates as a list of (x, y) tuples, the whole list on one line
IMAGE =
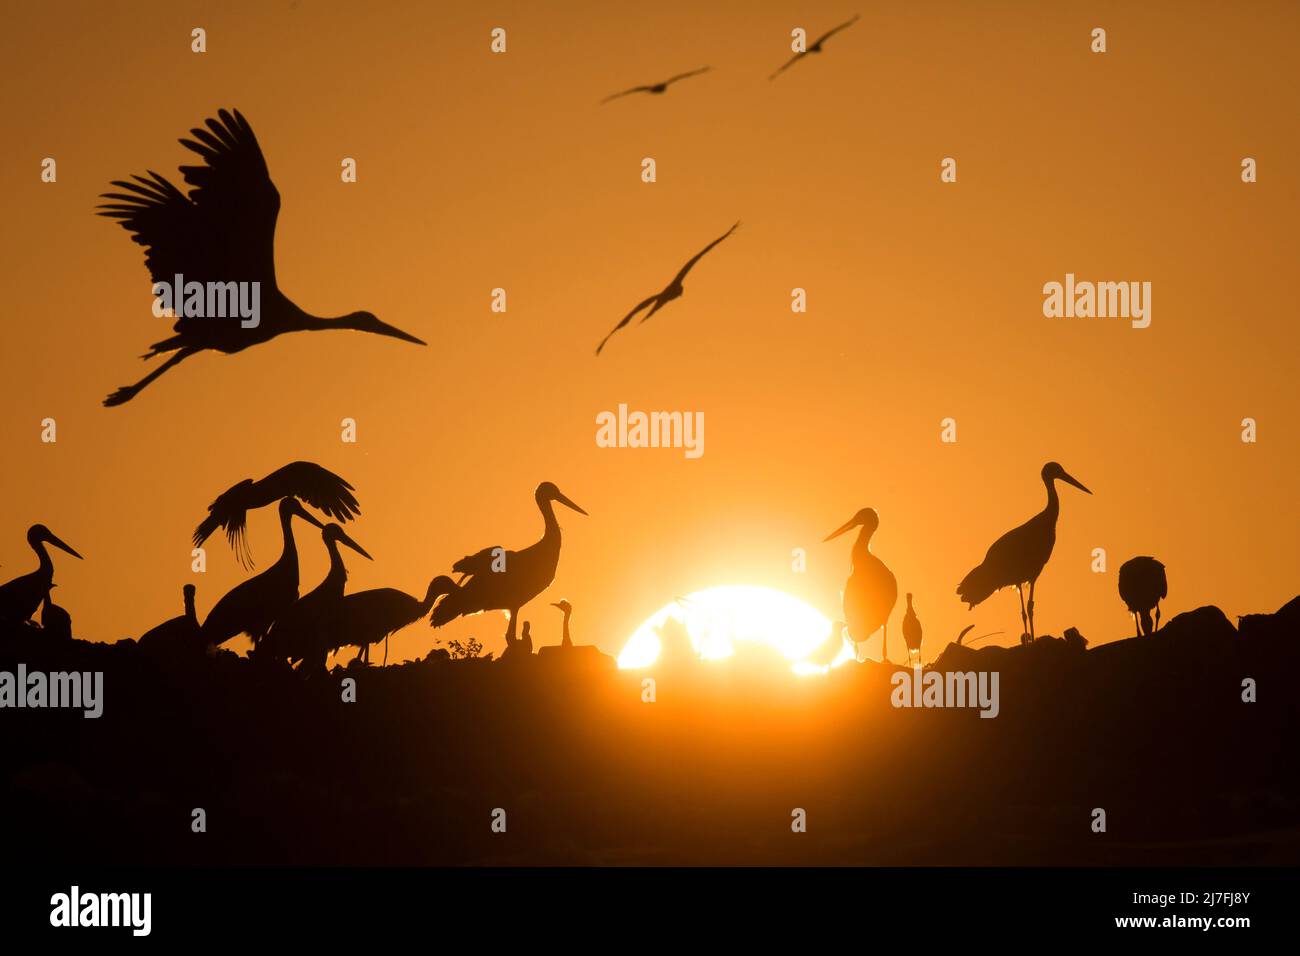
[(717, 619)]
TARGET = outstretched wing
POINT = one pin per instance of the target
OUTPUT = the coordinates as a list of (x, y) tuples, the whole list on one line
[(319, 487), (626, 319), (224, 230), (787, 64), (834, 30), (683, 76), (308, 481), (628, 92), (700, 255)]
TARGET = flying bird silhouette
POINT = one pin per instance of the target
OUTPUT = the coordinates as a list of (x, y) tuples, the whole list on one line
[(655, 87), (1019, 556), (308, 481), (673, 290), (223, 232), (816, 47)]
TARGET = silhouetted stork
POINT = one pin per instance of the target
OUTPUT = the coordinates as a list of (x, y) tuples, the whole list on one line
[(368, 617), (1019, 556), (305, 480), (294, 632), (912, 632), (223, 232), (55, 621), (1142, 585), (20, 597), (655, 87), (177, 633), (871, 591), (816, 46), (673, 290), (252, 607), (567, 610), (516, 578)]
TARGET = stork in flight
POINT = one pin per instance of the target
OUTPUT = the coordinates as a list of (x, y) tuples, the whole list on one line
[(672, 291), (253, 606), (222, 232), (320, 488), (816, 46), (871, 591), (293, 632), (1019, 556), (20, 597), (498, 580), (655, 87)]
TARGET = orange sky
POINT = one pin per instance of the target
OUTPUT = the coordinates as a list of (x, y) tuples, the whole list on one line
[(478, 170)]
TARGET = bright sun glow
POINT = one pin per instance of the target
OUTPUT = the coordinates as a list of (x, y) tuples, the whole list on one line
[(715, 619)]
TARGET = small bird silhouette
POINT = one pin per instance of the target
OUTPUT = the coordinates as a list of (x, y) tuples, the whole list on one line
[(912, 631), (55, 621), (1142, 585), (177, 633), (220, 235), (673, 290), (567, 610), (816, 46), (305, 480), (655, 87)]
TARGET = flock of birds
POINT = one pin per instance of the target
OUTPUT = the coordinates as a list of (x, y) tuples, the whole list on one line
[(223, 231), (304, 630)]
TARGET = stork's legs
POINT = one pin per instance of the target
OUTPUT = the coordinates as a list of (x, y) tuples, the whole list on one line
[(1137, 626), (1031, 611), (128, 392), (1024, 621), (884, 644)]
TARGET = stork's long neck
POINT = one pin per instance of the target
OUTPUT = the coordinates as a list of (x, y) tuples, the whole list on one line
[(862, 546), (566, 641), (1053, 502), (337, 575), (189, 605), (47, 563), (289, 555), (552, 532)]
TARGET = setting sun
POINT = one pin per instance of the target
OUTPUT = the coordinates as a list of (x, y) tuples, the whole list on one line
[(718, 618)]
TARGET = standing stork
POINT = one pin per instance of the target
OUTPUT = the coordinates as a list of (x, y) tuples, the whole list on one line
[(253, 606), (305, 480), (871, 591), (368, 617), (912, 635), (1142, 585), (1019, 556), (20, 597), (567, 610), (498, 580), (219, 236), (177, 633), (292, 633)]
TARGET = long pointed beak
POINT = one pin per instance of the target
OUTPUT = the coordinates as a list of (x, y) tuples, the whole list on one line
[(60, 545), (306, 515), (1075, 482), (569, 503), (835, 534), (344, 539), (558, 606), (383, 328)]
